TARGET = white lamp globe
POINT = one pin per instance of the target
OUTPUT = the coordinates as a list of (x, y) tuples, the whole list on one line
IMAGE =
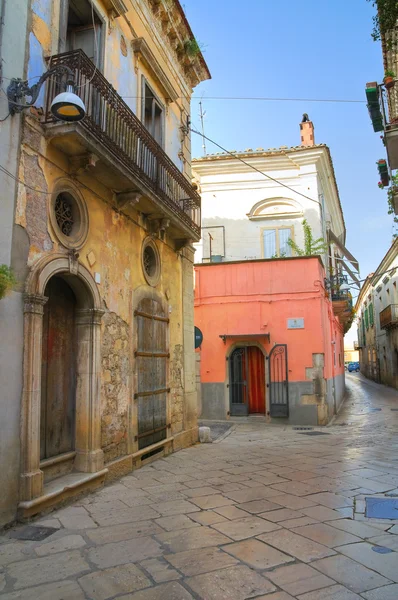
[(67, 106)]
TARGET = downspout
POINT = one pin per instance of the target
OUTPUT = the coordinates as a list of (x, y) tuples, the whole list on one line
[(2, 15)]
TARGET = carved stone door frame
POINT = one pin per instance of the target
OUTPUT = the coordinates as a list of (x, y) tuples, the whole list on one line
[(89, 456)]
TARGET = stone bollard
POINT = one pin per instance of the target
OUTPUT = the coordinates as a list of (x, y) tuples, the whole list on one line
[(204, 435)]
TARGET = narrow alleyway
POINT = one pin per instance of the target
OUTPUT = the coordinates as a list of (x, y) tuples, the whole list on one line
[(268, 512)]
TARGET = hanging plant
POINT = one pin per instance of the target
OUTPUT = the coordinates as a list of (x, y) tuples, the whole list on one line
[(385, 19), (7, 280)]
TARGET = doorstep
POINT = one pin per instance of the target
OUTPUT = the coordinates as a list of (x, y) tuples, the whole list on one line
[(63, 488)]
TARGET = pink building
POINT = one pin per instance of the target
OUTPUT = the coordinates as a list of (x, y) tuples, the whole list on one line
[(272, 343)]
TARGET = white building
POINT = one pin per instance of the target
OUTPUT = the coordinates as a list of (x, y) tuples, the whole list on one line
[(250, 215)]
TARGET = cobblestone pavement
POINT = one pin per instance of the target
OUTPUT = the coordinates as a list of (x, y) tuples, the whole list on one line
[(268, 513)]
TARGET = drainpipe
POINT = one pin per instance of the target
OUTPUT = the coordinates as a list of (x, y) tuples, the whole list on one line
[(2, 15)]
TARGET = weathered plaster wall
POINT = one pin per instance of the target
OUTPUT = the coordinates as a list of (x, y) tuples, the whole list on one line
[(12, 249)]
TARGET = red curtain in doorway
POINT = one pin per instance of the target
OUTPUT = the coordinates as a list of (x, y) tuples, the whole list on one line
[(256, 380)]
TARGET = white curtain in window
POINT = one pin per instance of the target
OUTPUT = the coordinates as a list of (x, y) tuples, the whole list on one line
[(284, 236), (269, 241)]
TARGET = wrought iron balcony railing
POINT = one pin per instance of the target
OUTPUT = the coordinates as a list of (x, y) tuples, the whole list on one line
[(112, 123), (389, 316)]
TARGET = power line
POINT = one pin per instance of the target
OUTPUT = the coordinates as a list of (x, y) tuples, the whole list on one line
[(266, 99), (251, 166)]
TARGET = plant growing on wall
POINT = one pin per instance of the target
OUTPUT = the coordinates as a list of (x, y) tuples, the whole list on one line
[(312, 247), (193, 47), (385, 19), (7, 280)]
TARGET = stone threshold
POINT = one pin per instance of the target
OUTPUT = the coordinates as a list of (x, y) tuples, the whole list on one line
[(63, 488)]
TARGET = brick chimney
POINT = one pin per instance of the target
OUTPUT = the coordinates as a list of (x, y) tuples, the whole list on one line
[(307, 131)]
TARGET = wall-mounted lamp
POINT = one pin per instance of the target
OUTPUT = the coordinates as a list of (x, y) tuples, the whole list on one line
[(67, 106)]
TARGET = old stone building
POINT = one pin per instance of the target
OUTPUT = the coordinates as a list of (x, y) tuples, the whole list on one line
[(96, 341)]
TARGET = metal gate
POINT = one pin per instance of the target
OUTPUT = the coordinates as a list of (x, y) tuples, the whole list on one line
[(238, 382), (151, 363), (278, 381)]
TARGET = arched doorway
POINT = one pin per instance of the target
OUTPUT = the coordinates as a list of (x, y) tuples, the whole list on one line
[(68, 332), (247, 381), (58, 374)]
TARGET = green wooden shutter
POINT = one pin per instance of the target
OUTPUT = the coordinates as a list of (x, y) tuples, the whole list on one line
[(371, 319), (366, 318)]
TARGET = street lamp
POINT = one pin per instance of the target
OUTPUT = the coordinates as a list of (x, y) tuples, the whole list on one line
[(67, 106)]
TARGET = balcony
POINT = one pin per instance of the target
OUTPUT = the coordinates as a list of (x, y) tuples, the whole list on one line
[(357, 345), (120, 152), (383, 110), (389, 317)]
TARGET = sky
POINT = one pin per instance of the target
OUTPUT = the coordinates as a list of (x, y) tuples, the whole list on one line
[(310, 49)]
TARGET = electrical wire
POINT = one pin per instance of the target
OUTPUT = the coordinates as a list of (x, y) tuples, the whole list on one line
[(234, 155), (266, 99)]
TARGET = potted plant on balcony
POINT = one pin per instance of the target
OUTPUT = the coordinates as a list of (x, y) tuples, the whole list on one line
[(383, 172), (389, 79)]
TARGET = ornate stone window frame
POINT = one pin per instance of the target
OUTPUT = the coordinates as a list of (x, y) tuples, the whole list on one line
[(89, 456), (78, 237), (151, 279)]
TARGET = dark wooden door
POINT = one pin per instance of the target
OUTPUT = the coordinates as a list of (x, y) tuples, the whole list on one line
[(58, 384), (151, 356)]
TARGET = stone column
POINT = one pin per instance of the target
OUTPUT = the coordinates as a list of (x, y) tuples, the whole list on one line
[(31, 475), (89, 456)]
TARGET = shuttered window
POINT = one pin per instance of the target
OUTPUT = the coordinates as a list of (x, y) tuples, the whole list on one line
[(152, 364), (366, 318), (371, 318)]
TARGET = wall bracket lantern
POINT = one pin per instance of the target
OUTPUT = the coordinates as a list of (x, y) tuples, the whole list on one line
[(67, 106)]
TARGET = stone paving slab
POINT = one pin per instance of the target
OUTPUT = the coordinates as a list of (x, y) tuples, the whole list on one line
[(257, 554), (105, 584), (42, 570), (195, 562), (385, 564), (61, 590), (296, 545), (337, 592), (353, 576), (171, 591), (236, 583), (299, 579), (389, 592)]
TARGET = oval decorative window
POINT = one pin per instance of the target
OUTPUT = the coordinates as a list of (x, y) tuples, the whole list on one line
[(150, 262), (69, 217)]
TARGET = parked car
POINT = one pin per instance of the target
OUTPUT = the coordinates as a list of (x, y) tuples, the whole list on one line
[(353, 366)]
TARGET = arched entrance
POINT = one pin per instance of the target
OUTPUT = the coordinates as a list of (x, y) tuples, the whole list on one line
[(58, 373), (62, 362), (247, 381)]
